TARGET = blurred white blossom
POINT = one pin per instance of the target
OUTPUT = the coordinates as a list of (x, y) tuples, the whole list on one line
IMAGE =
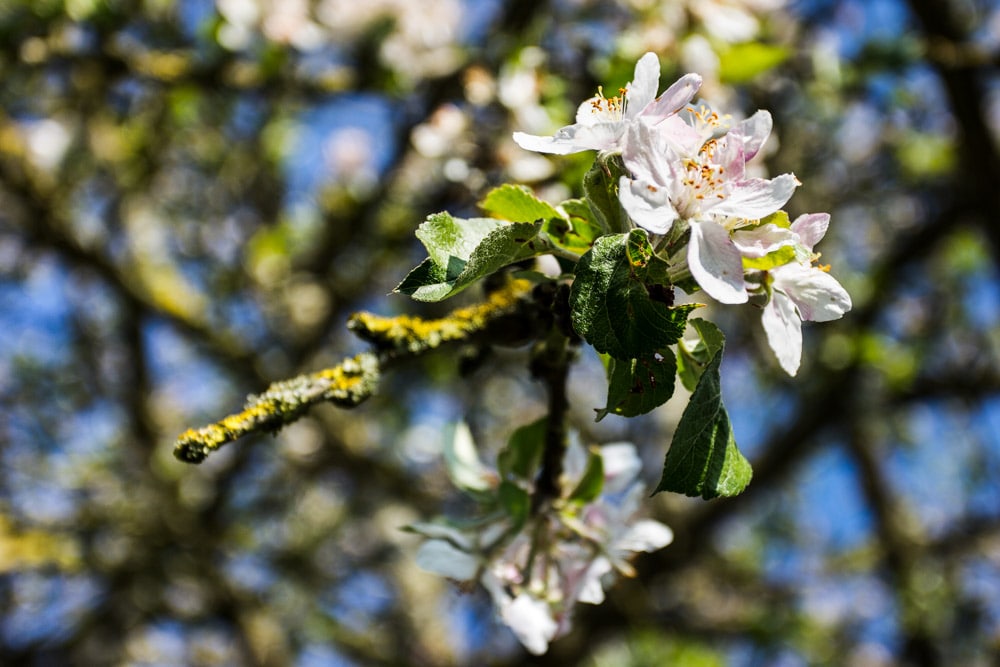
[(537, 567)]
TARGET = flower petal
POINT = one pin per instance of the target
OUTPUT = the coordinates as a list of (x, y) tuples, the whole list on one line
[(715, 262), (645, 535), (531, 621), (590, 589), (761, 241), (817, 295), (465, 469), (755, 130), (673, 98), (648, 205), (757, 197), (784, 331), (642, 89), (683, 138), (811, 228), (551, 145)]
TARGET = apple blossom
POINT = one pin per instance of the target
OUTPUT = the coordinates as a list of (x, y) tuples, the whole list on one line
[(681, 172), (537, 570), (801, 292), (601, 122)]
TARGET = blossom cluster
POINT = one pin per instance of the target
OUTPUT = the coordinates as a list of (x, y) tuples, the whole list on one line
[(537, 564), (687, 184)]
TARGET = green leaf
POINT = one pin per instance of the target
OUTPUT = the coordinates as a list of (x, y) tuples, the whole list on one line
[(742, 63), (637, 386), (523, 453), (779, 218), (703, 459), (592, 482), (450, 241), (515, 501), (600, 185), (617, 301), (463, 251), (771, 260), (576, 230), (693, 356), (518, 204)]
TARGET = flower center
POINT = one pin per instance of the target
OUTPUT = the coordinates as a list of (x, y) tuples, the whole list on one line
[(708, 123), (704, 181), (610, 108)]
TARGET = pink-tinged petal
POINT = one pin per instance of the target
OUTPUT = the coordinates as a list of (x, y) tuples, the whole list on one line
[(757, 197), (680, 136), (716, 263), (673, 98), (811, 228), (817, 294), (648, 205), (645, 155), (762, 241), (755, 130), (642, 89), (443, 559), (784, 332), (531, 621), (645, 535), (648, 155), (729, 154)]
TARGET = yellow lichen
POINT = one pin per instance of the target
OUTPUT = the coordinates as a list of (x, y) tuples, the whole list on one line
[(415, 334), (346, 384), (354, 379)]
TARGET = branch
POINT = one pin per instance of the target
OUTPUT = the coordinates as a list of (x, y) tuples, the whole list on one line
[(355, 379)]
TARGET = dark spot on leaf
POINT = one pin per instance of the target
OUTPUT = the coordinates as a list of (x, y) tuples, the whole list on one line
[(661, 294)]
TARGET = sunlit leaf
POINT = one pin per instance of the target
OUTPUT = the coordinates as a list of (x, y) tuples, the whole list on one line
[(703, 459), (462, 251), (636, 386), (601, 187), (618, 302), (694, 355)]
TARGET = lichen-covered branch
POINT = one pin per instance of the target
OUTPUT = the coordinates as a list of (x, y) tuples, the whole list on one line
[(356, 379), (346, 385), (405, 335)]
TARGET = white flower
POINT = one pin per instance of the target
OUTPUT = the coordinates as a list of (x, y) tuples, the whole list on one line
[(683, 169), (601, 122), (563, 554), (801, 292), (531, 621)]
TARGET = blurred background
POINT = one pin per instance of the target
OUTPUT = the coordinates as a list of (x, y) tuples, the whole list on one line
[(195, 195)]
